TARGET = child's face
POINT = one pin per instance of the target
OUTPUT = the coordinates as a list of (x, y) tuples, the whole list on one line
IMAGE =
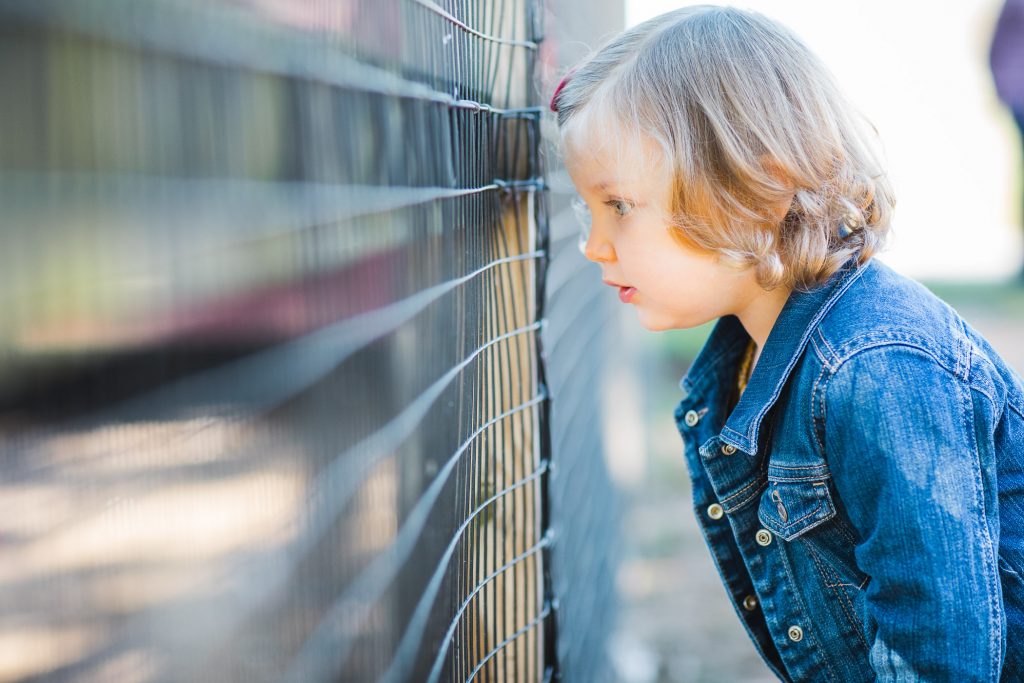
[(629, 196)]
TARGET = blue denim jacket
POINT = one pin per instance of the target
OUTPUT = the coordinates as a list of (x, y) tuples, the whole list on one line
[(864, 500)]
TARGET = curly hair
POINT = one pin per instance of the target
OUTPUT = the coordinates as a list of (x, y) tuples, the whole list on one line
[(746, 118)]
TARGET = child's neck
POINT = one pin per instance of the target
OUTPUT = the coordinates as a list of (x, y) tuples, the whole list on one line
[(760, 314)]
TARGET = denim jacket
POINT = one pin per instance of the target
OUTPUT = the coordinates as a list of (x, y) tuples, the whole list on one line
[(864, 500)]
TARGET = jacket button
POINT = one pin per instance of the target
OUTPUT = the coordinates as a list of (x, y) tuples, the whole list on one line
[(691, 418), (715, 511), (795, 633), (728, 449), (750, 603), (763, 537)]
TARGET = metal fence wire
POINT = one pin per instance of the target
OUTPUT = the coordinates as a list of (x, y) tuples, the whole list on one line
[(273, 385)]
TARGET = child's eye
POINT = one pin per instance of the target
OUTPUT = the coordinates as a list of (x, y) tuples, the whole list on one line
[(620, 206)]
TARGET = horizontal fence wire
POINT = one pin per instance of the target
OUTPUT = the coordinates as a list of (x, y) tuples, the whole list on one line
[(410, 641), (434, 7), (363, 591), (533, 623), (435, 670), (271, 386), (265, 39)]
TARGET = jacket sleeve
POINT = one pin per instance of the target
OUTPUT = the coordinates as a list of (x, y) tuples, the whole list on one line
[(902, 444)]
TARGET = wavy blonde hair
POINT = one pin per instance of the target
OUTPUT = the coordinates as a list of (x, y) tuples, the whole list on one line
[(746, 118)]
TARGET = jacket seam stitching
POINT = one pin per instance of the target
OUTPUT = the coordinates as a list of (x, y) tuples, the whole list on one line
[(798, 478), (990, 397), (880, 343), (844, 600), (813, 512), (958, 352), (858, 626), (819, 430), (828, 346), (968, 351), (797, 467), (868, 347), (757, 492), (831, 578), (737, 492), (994, 634), (760, 478), (814, 524), (817, 351), (847, 536), (784, 556), (840, 526)]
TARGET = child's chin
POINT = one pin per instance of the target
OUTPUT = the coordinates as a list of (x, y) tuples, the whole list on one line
[(653, 323), (662, 324)]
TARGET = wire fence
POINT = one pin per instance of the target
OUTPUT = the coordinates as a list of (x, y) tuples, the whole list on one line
[(274, 350)]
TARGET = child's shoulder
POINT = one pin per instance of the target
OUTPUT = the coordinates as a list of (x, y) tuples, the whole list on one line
[(888, 325), (882, 308)]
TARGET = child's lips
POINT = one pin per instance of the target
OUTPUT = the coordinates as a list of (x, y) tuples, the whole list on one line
[(625, 291)]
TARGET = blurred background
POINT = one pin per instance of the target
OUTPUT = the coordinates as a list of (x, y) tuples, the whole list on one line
[(303, 377)]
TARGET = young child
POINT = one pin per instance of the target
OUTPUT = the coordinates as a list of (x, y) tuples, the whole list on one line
[(856, 450)]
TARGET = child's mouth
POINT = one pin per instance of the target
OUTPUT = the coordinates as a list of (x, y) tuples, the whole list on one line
[(626, 293)]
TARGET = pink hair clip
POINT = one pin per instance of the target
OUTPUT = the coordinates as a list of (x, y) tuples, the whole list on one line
[(561, 84)]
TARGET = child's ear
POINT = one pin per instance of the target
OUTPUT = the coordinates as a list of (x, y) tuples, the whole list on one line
[(776, 170)]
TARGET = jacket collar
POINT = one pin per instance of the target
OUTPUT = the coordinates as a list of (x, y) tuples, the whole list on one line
[(715, 365)]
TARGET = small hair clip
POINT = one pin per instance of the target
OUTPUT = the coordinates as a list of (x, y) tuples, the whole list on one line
[(561, 84), (848, 224)]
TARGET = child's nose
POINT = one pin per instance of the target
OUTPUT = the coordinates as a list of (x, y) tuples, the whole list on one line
[(598, 249)]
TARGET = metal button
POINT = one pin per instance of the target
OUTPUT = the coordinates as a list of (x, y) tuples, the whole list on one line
[(691, 418), (750, 603), (763, 537), (728, 449), (715, 511), (795, 633)]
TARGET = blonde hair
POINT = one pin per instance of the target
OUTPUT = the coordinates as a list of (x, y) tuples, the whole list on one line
[(747, 118)]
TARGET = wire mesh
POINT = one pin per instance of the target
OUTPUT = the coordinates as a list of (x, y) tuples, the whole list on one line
[(271, 397), (274, 355)]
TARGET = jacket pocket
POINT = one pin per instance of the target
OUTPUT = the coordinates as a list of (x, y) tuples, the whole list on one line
[(791, 508)]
